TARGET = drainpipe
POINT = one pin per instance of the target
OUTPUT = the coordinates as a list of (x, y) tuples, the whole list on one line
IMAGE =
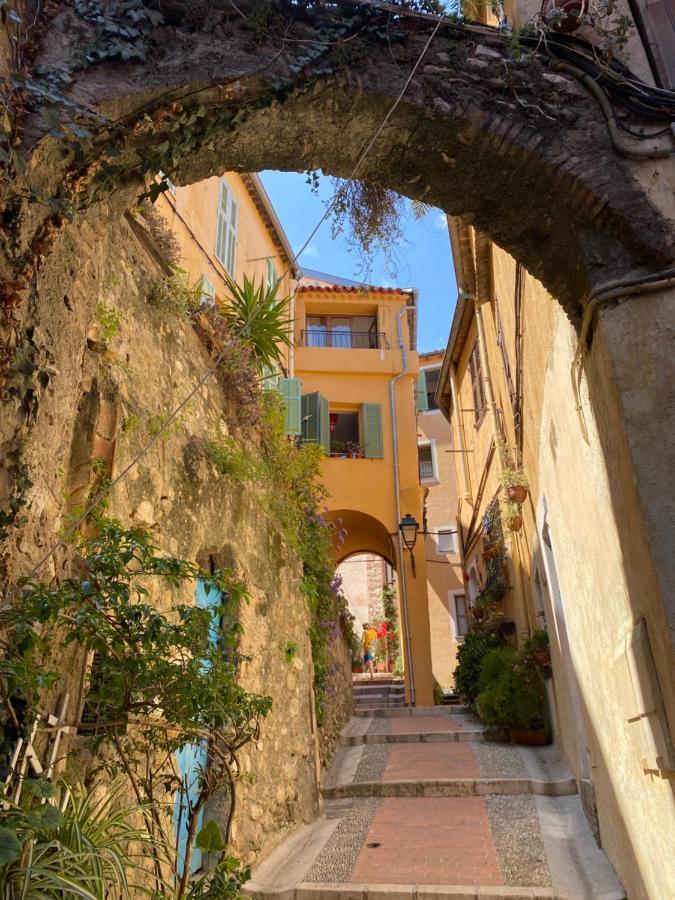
[(397, 494), (459, 435)]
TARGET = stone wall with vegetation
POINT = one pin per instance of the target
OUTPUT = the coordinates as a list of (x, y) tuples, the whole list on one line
[(93, 383)]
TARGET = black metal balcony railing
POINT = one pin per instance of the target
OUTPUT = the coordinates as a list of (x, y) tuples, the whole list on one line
[(344, 340), (426, 469)]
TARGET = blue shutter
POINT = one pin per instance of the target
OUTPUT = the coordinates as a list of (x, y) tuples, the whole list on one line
[(421, 399), (371, 430), (191, 759), (316, 420), (289, 388)]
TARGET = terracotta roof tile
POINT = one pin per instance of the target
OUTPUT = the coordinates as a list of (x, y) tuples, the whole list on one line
[(343, 289)]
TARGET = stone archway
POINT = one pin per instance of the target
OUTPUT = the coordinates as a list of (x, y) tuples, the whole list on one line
[(522, 152)]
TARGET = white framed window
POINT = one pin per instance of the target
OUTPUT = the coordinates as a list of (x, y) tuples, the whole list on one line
[(446, 540), (271, 274), (226, 228), (458, 614), (427, 461), (208, 297)]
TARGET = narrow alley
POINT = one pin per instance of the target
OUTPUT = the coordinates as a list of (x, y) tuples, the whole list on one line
[(423, 802)]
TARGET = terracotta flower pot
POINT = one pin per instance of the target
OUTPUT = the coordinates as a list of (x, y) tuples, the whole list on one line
[(517, 493), (478, 612), (515, 523), (533, 737), (573, 9), (542, 657)]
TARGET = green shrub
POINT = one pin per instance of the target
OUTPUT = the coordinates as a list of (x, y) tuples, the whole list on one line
[(228, 458), (176, 293), (469, 659), (511, 692)]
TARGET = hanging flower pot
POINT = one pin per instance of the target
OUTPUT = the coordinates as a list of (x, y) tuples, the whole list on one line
[(515, 523), (517, 493), (542, 657), (478, 612), (563, 15)]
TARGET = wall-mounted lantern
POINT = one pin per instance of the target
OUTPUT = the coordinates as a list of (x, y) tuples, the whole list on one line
[(409, 527)]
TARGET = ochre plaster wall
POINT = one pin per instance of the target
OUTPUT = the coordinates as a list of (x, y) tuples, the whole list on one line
[(444, 577)]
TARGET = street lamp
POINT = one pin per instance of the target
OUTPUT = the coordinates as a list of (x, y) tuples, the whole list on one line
[(409, 526)]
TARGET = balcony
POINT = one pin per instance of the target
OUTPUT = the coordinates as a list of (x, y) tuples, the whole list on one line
[(344, 340)]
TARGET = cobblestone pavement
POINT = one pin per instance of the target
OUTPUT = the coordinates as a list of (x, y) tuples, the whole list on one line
[(458, 814)]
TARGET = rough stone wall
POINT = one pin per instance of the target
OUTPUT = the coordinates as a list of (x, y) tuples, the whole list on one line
[(83, 397), (338, 705)]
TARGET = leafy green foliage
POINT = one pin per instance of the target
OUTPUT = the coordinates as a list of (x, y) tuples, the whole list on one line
[(176, 293), (160, 679), (229, 458), (84, 851), (109, 321), (470, 655), (260, 319), (511, 692)]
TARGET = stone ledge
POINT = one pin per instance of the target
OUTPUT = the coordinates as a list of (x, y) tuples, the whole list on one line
[(451, 787), (346, 891), (430, 737)]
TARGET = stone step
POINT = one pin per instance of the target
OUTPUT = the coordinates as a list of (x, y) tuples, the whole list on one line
[(429, 737), (451, 787), (420, 711), (372, 707), (347, 891)]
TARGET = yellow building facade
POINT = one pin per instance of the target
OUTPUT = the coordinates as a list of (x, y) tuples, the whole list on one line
[(448, 611), (226, 226), (515, 395), (356, 369)]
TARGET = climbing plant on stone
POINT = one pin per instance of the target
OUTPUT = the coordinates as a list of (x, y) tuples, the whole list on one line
[(164, 676)]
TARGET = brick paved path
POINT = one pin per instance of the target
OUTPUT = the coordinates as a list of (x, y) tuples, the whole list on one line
[(419, 805)]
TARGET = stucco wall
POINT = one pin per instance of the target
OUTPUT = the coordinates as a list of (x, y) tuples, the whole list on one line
[(146, 368)]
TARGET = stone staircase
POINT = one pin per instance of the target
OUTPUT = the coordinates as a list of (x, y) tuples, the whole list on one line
[(380, 693), (426, 804)]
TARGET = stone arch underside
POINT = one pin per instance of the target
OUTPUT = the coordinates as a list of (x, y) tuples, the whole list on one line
[(362, 534), (522, 153)]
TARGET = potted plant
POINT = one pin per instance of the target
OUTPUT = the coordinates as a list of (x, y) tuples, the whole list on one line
[(513, 518), (512, 696), (515, 484), (539, 644)]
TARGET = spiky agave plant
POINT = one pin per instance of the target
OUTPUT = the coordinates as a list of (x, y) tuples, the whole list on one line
[(260, 318), (82, 850)]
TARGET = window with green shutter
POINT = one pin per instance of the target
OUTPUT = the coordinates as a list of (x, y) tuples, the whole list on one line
[(289, 388), (226, 227), (316, 420), (421, 402), (270, 378), (371, 430)]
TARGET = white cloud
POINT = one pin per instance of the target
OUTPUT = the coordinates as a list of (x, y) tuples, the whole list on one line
[(440, 222), (311, 251)]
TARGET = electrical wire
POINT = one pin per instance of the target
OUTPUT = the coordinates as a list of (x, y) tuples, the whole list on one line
[(214, 365)]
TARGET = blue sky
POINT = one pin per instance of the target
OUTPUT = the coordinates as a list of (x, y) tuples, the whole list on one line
[(424, 258)]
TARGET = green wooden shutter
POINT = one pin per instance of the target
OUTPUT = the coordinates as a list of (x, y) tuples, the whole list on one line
[(371, 430), (289, 388), (316, 420), (421, 399)]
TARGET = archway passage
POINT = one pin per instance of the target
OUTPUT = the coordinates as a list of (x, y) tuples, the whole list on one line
[(518, 149), (370, 585)]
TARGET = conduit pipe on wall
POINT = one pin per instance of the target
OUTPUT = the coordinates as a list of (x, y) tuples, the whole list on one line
[(609, 292), (397, 494), (459, 435)]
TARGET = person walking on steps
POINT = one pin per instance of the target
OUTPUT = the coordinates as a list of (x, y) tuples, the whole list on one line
[(369, 638)]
